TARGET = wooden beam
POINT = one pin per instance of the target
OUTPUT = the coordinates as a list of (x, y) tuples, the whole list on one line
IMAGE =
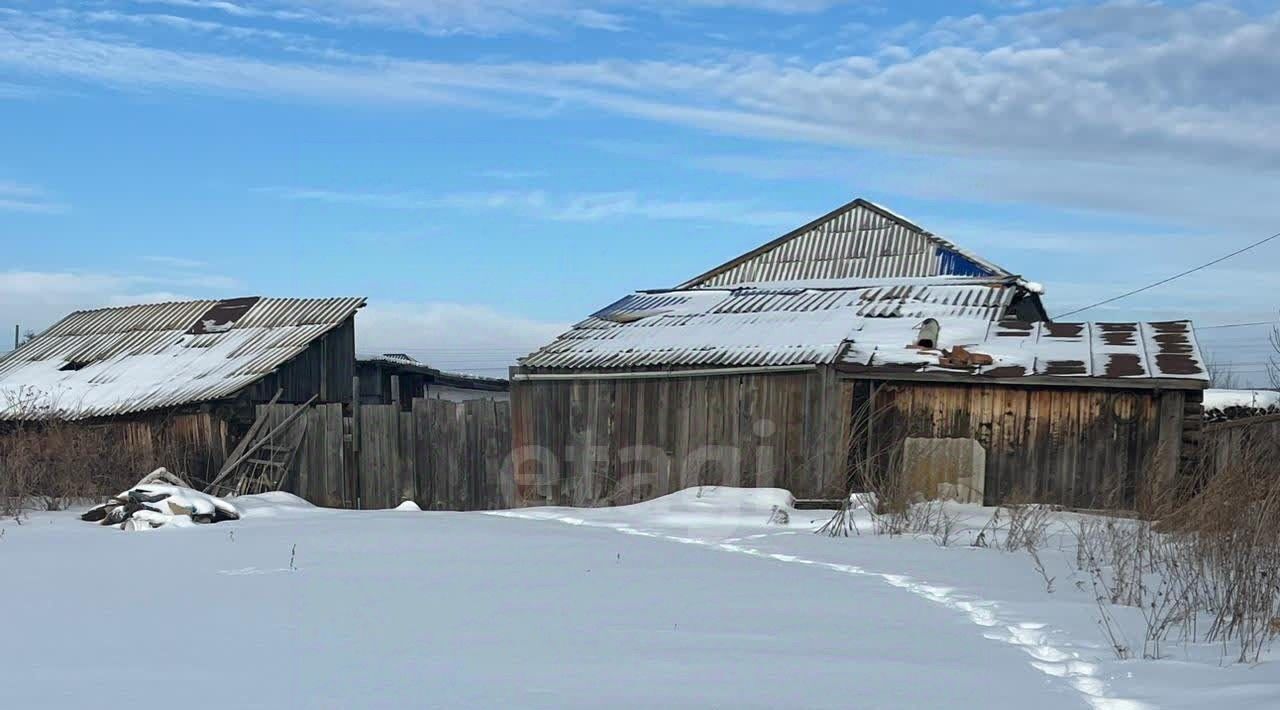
[(252, 449)]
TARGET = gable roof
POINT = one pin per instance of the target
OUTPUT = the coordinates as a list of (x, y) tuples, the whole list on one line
[(760, 326), (859, 240), (136, 358)]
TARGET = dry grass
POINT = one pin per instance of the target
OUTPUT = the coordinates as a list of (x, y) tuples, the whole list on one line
[(49, 464), (1198, 557), (1200, 561)]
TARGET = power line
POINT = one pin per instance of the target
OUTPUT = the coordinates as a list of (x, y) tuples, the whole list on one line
[(1161, 282), (1235, 325)]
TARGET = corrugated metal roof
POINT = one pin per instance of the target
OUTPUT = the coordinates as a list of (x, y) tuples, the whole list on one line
[(1165, 350), (859, 240), (757, 326), (118, 360)]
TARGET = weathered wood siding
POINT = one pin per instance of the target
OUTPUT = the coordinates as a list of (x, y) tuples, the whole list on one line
[(194, 445), (1072, 446), (590, 442), (1247, 440), (324, 369), (442, 455), (319, 473)]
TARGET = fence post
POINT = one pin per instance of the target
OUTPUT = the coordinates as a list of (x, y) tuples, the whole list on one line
[(355, 439)]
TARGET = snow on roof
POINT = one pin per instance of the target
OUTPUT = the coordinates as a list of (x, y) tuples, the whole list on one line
[(866, 328), (858, 240), (1216, 400), (135, 358), (757, 326), (396, 360), (1164, 350)]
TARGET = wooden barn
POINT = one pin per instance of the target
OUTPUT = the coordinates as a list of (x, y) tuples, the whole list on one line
[(188, 374), (857, 332)]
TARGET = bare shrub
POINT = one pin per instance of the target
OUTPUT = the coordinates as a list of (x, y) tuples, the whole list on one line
[(1027, 526), (1201, 563), (50, 464), (1048, 581)]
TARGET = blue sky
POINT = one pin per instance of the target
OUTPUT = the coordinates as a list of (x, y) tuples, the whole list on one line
[(486, 171)]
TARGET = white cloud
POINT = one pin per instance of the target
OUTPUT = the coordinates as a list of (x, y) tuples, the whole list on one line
[(35, 300), (511, 175), (484, 17), (1198, 91), (17, 197), (176, 262), (571, 207), (456, 336), (452, 336)]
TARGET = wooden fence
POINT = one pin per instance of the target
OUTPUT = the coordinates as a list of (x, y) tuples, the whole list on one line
[(1225, 440), (442, 455)]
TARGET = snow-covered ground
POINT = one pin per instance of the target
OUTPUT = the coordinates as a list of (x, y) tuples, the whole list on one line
[(693, 600)]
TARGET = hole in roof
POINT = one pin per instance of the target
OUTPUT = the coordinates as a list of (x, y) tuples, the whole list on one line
[(222, 316), (73, 365)]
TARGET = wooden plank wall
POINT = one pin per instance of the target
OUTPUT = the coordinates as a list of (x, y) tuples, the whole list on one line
[(194, 445), (324, 368), (1224, 442), (620, 440), (1084, 448), (442, 455)]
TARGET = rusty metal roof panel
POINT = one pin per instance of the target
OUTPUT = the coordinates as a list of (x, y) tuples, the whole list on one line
[(756, 326), (1113, 351), (114, 361)]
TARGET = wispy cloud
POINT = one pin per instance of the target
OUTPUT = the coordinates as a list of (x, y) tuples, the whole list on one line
[(17, 197), (569, 207), (485, 17), (1194, 92), (511, 175), (176, 262), (454, 336)]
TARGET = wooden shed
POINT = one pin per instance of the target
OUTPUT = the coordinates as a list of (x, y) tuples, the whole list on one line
[(183, 374), (783, 366)]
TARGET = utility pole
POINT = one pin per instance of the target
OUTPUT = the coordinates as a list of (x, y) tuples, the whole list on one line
[(16, 328)]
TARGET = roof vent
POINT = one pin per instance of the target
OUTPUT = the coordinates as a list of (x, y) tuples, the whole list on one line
[(223, 315), (928, 337)]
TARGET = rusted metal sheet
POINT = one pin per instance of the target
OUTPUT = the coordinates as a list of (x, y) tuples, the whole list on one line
[(758, 326), (859, 240), (113, 361), (1160, 350)]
